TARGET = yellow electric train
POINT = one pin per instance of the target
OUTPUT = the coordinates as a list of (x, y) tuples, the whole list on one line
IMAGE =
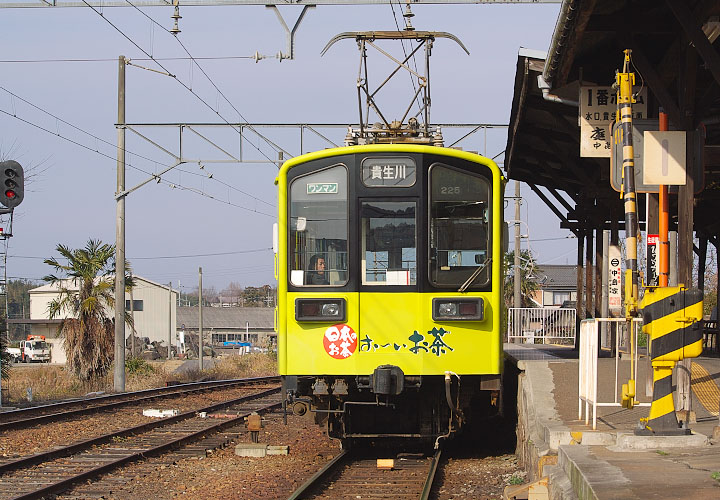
[(389, 266)]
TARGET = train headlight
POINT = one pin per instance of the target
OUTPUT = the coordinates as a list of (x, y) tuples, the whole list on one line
[(465, 309), (331, 310), (447, 309), (320, 310)]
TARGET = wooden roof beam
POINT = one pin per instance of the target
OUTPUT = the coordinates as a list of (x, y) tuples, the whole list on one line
[(552, 207), (655, 83)]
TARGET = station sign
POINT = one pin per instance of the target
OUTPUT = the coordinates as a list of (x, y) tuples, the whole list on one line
[(652, 276), (598, 108), (639, 129), (665, 157), (614, 280)]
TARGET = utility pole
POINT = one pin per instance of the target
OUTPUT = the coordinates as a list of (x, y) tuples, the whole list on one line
[(119, 375), (604, 303), (516, 296), (170, 302), (132, 329), (200, 320)]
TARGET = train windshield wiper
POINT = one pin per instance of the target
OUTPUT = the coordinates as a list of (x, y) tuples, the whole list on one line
[(474, 275)]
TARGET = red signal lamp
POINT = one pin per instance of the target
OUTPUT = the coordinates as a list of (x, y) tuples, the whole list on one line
[(10, 194)]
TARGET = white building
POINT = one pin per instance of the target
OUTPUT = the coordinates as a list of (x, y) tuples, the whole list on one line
[(154, 312)]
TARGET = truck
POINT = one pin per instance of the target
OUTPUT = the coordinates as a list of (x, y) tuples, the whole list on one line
[(34, 349), (15, 354)]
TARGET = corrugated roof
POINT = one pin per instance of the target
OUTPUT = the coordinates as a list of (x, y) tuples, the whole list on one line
[(226, 317)]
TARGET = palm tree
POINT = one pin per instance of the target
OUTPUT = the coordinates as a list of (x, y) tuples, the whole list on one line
[(86, 296), (527, 285), (4, 358)]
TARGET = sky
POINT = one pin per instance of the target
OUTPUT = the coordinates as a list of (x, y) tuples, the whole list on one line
[(224, 222)]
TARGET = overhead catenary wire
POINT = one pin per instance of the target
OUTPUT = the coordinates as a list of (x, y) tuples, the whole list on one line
[(402, 44), (114, 60), (100, 139), (174, 77), (171, 184), (214, 254), (220, 92)]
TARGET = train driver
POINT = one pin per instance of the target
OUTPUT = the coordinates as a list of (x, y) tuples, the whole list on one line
[(317, 274)]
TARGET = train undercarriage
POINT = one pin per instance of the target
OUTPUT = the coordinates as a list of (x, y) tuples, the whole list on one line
[(388, 404)]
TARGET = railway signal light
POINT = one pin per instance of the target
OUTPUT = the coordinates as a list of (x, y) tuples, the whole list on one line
[(12, 183)]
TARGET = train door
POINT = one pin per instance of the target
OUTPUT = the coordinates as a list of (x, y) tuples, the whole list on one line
[(389, 302)]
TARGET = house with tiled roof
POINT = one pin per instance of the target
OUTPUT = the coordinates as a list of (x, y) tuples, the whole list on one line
[(557, 284)]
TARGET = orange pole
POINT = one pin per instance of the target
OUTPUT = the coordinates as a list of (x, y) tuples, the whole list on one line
[(663, 254)]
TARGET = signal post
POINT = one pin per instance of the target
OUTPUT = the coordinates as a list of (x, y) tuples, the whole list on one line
[(12, 193)]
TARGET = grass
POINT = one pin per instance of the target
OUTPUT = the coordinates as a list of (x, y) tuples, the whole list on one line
[(49, 383), (516, 479), (715, 476)]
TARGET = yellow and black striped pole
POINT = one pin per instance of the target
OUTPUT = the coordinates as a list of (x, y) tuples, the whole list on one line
[(672, 318), (624, 83)]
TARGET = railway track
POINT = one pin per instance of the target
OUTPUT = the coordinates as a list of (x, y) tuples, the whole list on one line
[(43, 414), (52, 472), (351, 476)]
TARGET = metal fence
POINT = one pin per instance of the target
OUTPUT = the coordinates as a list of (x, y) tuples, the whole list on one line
[(535, 325)]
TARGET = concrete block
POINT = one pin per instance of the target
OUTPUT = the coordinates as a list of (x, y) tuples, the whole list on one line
[(556, 435), (629, 441), (152, 412), (278, 450), (587, 473), (686, 416), (385, 463), (590, 438), (251, 449)]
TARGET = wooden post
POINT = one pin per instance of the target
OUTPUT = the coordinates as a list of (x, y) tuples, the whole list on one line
[(579, 309), (598, 271), (702, 262), (652, 227), (589, 274)]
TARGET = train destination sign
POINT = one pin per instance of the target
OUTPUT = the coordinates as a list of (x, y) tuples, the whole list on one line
[(388, 172)]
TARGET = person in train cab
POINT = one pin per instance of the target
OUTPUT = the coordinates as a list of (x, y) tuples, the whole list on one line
[(317, 274)]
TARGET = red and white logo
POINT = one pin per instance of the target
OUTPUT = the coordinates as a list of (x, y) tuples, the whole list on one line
[(340, 341)]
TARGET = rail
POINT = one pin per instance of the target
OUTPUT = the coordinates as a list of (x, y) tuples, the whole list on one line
[(541, 325), (26, 417), (349, 470), (174, 432)]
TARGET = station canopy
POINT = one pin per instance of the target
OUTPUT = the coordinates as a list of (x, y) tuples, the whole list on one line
[(675, 56)]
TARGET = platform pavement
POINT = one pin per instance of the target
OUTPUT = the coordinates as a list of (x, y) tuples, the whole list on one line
[(611, 462)]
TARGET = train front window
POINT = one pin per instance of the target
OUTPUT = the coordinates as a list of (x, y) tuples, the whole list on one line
[(319, 228), (389, 243), (459, 227)]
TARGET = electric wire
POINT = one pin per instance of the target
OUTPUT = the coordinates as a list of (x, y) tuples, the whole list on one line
[(174, 77), (171, 184), (402, 44), (214, 254), (568, 237), (57, 118), (105, 59), (194, 60)]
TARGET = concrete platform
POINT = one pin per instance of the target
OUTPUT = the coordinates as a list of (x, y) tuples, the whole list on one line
[(611, 462)]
